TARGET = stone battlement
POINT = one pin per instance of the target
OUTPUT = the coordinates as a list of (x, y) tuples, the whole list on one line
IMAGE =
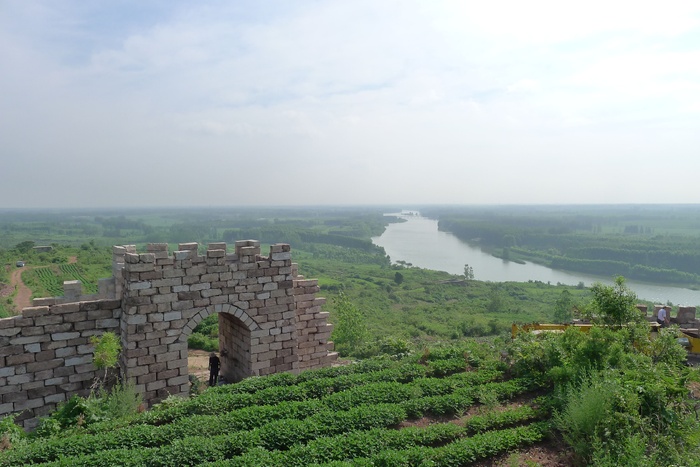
[(270, 320)]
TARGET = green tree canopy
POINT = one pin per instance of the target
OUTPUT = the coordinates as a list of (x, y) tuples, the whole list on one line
[(614, 305)]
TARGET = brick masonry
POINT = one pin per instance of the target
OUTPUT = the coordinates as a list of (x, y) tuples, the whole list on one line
[(270, 321)]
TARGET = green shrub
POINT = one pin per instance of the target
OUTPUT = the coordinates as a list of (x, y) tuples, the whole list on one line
[(202, 342), (10, 433), (586, 413)]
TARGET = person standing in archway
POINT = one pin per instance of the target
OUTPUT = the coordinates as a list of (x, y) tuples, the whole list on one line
[(214, 365)]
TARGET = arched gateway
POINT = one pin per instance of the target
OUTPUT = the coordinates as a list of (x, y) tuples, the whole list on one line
[(270, 321)]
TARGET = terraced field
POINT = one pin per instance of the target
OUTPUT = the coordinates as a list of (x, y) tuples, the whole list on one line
[(443, 408)]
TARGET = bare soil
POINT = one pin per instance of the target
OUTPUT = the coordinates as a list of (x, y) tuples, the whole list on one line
[(23, 298), (198, 364), (548, 453)]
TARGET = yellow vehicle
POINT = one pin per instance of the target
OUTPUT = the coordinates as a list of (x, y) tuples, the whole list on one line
[(693, 337)]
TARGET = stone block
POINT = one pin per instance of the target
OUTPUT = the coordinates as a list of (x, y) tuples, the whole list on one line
[(155, 385), (179, 364), (177, 380), (28, 404), (20, 379), (41, 392), (256, 366), (78, 360), (15, 360), (220, 299), (685, 315), (9, 332), (45, 355), (147, 360), (167, 374), (164, 298), (64, 336), (62, 371), (172, 316), (79, 377), (183, 305), (88, 367), (107, 323), (75, 317), (56, 381), (48, 319), (84, 326), (6, 408), (141, 267), (55, 398), (157, 368), (29, 339), (167, 356), (32, 348)]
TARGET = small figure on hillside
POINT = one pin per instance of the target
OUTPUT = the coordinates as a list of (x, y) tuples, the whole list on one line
[(214, 365), (664, 316)]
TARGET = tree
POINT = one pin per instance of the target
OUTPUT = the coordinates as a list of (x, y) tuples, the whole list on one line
[(24, 247), (613, 305), (106, 354), (468, 272), (398, 278), (496, 303), (350, 330), (562, 307)]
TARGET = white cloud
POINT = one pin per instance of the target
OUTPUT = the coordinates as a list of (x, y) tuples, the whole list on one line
[(360, 101)]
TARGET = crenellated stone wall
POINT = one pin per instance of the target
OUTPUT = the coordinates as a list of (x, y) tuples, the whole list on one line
[(46, 356), (270, 321), (685, 316)]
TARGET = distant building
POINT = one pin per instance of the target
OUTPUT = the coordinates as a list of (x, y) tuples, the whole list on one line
[(20, 264)]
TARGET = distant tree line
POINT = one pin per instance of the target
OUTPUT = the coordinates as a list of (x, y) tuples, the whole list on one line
[(579, 247)]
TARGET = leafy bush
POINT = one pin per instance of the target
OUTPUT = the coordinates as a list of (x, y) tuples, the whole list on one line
[(350, 329), (10, 433), (79, 412), (202, 342)]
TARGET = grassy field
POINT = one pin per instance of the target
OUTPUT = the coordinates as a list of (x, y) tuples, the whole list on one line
[(436, 379), (445, 405)]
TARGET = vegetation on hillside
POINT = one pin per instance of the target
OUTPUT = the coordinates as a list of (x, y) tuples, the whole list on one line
[(648, 243), (608, 395), (422, 390)]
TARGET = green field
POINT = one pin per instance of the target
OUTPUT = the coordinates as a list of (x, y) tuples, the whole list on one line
[(594, 399), (422, 390)]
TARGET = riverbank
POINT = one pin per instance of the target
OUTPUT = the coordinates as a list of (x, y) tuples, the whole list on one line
[(419, 241)]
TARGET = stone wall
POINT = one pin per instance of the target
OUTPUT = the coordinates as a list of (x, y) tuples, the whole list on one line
[(270, 321), (684, 316), (46, 356)]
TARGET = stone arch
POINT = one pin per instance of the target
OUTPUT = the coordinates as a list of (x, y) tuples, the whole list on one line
[(202, 313), (235, 336), (154, 301)]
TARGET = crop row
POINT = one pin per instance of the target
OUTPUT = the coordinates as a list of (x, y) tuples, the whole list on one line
[(277, 426), (323, 437), (49, 281), (398, 447), (400, 371), (73, 272), (215, 401)]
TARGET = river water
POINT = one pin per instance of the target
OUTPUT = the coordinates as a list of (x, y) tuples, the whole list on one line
[(419, 242)]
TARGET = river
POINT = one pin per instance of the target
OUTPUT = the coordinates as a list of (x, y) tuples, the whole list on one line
[(419, 242)]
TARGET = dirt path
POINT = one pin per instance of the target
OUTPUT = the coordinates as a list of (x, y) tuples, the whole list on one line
[(198, 364), (23, 298)]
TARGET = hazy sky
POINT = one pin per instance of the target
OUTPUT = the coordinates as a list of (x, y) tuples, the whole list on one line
[(182, 103)]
